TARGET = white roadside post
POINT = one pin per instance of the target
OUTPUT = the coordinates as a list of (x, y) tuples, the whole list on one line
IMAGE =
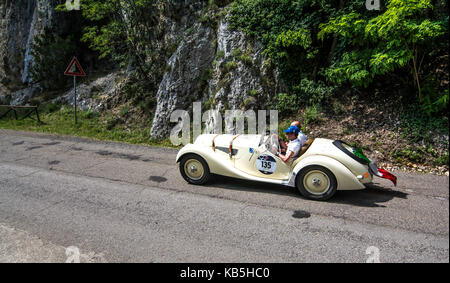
[(75, 98)]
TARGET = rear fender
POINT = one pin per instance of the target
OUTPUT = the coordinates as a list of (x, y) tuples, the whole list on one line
[(344, 177)]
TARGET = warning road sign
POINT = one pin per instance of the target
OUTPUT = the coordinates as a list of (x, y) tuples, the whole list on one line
[(75, 69)]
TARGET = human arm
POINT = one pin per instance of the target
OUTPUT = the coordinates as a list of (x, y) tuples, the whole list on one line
[(285, 157)]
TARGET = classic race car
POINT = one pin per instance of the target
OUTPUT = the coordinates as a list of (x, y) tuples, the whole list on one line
[(321, 167)]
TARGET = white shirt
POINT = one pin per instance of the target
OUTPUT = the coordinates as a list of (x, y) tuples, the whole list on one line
[(302, 137), (295, 145)]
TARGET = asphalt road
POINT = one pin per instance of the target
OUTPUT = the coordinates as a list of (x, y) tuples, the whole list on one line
[(113, 202)]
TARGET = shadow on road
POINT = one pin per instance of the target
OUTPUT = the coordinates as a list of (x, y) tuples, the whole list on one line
[(369, 197), (372, 196), (252, 186)]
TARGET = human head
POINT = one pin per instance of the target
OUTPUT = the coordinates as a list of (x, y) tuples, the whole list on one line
[(296, 123), (292, 132)]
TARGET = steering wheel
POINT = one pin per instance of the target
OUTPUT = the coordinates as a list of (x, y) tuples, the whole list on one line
[(274, 144)]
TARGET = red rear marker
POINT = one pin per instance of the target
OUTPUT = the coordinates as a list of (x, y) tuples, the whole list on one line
[(386, 175)]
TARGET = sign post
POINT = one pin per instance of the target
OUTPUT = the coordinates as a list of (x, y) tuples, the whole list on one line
[(74, 69)]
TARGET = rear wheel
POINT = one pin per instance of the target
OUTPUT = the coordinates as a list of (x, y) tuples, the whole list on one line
[(194, 169), (316, 182)]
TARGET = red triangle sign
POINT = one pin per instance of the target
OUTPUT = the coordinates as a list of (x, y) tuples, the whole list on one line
[(75, 69)]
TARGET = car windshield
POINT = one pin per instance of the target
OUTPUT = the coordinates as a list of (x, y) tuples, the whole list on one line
[(271, 143)]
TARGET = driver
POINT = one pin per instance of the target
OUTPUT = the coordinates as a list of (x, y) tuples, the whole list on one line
[(301, 136), (297, 140)]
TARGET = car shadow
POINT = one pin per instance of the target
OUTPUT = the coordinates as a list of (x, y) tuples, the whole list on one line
[(252, 186), (373, 196)]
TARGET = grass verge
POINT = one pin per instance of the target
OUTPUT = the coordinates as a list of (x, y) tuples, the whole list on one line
[(90, 125)]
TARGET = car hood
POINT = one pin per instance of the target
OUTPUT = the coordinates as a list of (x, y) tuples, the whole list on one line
[(241, 141)]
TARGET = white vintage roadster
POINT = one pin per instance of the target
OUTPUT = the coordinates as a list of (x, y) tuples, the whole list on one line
[(321, 167)]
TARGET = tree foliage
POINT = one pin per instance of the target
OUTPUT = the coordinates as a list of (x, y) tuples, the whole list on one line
[(124, 30), (394, 39), (342, 43)]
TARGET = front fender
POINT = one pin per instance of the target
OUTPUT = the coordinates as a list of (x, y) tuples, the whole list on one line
[(344, 177), (189, 148), (217, 164)]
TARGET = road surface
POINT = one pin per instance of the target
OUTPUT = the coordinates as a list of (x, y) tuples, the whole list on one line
[(71, 199)]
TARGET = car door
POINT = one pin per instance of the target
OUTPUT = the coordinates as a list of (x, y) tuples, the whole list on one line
[(262, 163)]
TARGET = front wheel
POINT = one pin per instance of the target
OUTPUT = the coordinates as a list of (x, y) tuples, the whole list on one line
[(316, 182), (194, 169)]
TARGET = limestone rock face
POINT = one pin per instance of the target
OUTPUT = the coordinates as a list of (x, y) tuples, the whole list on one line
[(20, 22), (242, 75), (4, 100), (23, 96), (96, 95), (181, 84), (16, 29), (221, 68)]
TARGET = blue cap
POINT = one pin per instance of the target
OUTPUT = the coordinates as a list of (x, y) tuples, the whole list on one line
[(292, 129)]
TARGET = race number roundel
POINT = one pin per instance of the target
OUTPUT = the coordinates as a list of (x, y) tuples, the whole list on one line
[(266, 164)]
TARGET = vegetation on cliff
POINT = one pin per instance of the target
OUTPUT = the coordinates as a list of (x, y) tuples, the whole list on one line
[(345, 45), (378, 77)]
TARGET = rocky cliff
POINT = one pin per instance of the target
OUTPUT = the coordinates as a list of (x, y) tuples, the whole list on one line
[(218, 66), (21, 21), (211, 63)]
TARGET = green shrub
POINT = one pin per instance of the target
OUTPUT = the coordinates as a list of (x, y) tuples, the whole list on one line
[(416, 126), (313, 93), (50, 107), (442, 160), (433, 101), (246, 59), (312, 115), (231, 65), (219, 54), (281, 127), (89, 114), (236, 52), (409, 154), (286, 103), (307, 93), (253, 93), (204, 18)]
